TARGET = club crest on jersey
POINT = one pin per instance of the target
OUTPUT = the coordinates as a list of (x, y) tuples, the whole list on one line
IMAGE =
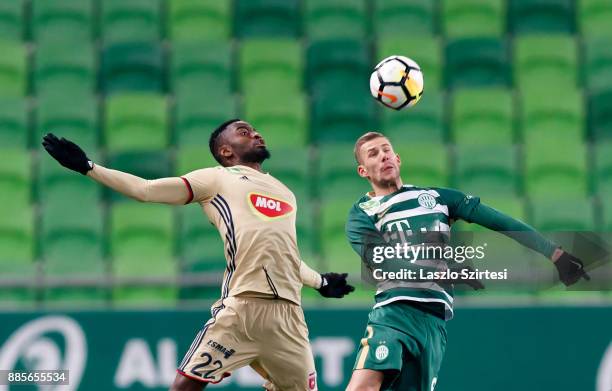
[(381, 352), (427, 201), (269, 207)]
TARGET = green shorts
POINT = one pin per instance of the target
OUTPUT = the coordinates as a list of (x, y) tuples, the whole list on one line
[(406, 343)]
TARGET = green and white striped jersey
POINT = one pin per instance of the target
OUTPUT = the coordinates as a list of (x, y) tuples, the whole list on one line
[(405, 212), (416, 212)]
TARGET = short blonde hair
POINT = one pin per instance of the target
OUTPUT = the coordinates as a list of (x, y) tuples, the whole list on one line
[(364, 139)]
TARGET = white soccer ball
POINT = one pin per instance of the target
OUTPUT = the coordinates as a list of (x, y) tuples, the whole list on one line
[(397, 82)]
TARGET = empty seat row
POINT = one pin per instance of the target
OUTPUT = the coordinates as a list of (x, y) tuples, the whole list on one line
[(549, 62), (147, 121), (220, 19)]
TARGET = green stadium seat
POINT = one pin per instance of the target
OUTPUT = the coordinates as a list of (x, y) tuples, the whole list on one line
[(341, 118), (545, 117), (594, 17), (59, 187), (144, 164), (404, 17), (134, 20), (191, 158), (338, 178), (15, 177), (336, 19), (600, 115), (606, 224), (200, 241), (424, 122), (136, 121), (13, 69), (16, 237), (563, 214), (486, 170), (203, 66), (202, 253), (336, 249), (280, 125), (334, 65), (597, 63), (16, 255), (477, 62), (74, 117), (483, 116), (197, 116), (11, 20), (65, 68), (132, 67), (426, 164), (141, 242), (474, 18), (62, 20), (547, 61), (267, 18), (603, 168), (271, 65), (305, 228), (426, 51), (199, 20), (291, 165), (541, 16), (72, 243), (556, 172), (14, 126)]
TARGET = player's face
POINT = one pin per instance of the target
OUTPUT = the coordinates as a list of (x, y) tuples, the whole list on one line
[(379, 163), (245, 143)]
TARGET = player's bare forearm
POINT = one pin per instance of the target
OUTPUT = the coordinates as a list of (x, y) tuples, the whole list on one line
[(328, 284), (164, 190), (310, 277)]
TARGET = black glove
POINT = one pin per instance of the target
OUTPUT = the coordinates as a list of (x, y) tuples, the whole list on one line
[(67, 153), (335, 285), (570, 269)]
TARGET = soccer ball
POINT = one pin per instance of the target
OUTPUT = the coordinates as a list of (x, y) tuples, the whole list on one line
[(397, 82)]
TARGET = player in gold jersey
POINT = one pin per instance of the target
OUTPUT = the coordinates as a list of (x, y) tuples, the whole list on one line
[(258, 320)]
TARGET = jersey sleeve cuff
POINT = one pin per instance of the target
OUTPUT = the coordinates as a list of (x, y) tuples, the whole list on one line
[(189, 189)]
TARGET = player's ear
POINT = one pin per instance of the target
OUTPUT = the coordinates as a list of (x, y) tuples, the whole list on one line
[(399, 160), (362, 171), (226, 151)]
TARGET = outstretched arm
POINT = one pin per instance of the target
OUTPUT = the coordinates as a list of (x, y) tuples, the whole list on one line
[(175, 191), (468, 208)]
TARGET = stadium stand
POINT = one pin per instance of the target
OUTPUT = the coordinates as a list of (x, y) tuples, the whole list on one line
[(516, 110)]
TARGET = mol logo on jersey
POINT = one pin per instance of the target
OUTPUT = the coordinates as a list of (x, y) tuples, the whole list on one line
[(269, 206)]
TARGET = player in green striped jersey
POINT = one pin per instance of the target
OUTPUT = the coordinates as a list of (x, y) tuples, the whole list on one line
[(405, 337)]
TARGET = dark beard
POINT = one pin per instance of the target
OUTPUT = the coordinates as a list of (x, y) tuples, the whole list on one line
[(256, 155)]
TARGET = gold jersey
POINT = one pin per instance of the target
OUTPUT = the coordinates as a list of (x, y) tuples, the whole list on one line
[(255, 215)]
